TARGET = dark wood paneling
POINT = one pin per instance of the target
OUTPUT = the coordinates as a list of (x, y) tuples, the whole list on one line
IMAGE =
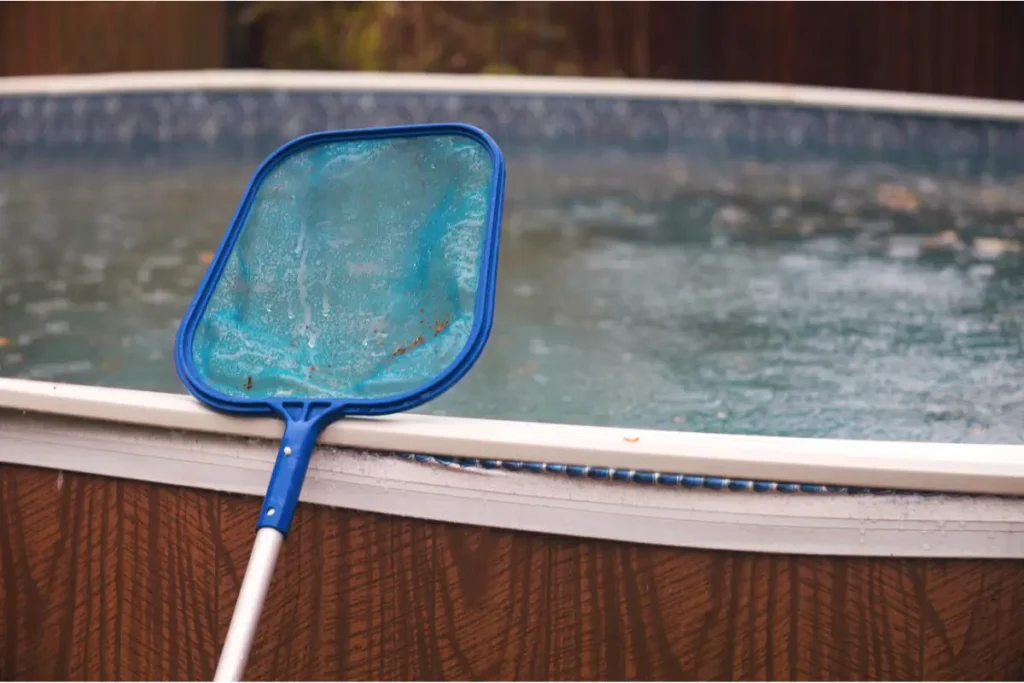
[(84, 37), (104, 579), (956, 48)]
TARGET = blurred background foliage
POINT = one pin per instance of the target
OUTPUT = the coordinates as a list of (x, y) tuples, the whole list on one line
[(559, 38)]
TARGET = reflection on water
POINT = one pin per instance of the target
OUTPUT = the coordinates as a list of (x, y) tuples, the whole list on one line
[(689, 312)]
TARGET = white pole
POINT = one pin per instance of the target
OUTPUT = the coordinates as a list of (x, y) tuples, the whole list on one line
[(242, 631)]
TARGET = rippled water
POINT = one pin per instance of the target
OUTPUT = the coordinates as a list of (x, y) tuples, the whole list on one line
[(615, 308)]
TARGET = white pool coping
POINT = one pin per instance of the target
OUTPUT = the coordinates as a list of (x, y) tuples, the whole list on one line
[(157, 81), (827, 524), (958, 468), (172, 440)]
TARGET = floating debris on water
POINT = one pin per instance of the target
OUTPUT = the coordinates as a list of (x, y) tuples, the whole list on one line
[(897, 198), (730, 218), (991, 248), (947, 241)]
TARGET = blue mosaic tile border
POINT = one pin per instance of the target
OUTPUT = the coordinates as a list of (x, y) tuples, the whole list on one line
[(134, 122)]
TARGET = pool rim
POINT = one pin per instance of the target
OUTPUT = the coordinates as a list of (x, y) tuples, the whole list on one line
[(387, 82), (995, 469), (980, 469), (893, 525)]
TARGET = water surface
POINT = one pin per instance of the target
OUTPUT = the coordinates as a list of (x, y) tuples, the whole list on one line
[(677, 305)]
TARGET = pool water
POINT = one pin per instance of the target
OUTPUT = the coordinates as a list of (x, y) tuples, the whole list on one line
[(660, 301)]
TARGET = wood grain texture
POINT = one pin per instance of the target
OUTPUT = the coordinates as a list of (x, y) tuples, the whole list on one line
[(107, 579), (951, 48), (88, 37)]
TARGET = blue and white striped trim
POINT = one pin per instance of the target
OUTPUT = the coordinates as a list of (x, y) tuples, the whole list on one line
[(686, 481)]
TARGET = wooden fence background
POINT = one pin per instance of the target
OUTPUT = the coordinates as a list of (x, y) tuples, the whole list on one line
[(961, 48), (85, 37)]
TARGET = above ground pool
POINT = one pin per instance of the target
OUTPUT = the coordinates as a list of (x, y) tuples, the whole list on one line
[(677, 262)]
